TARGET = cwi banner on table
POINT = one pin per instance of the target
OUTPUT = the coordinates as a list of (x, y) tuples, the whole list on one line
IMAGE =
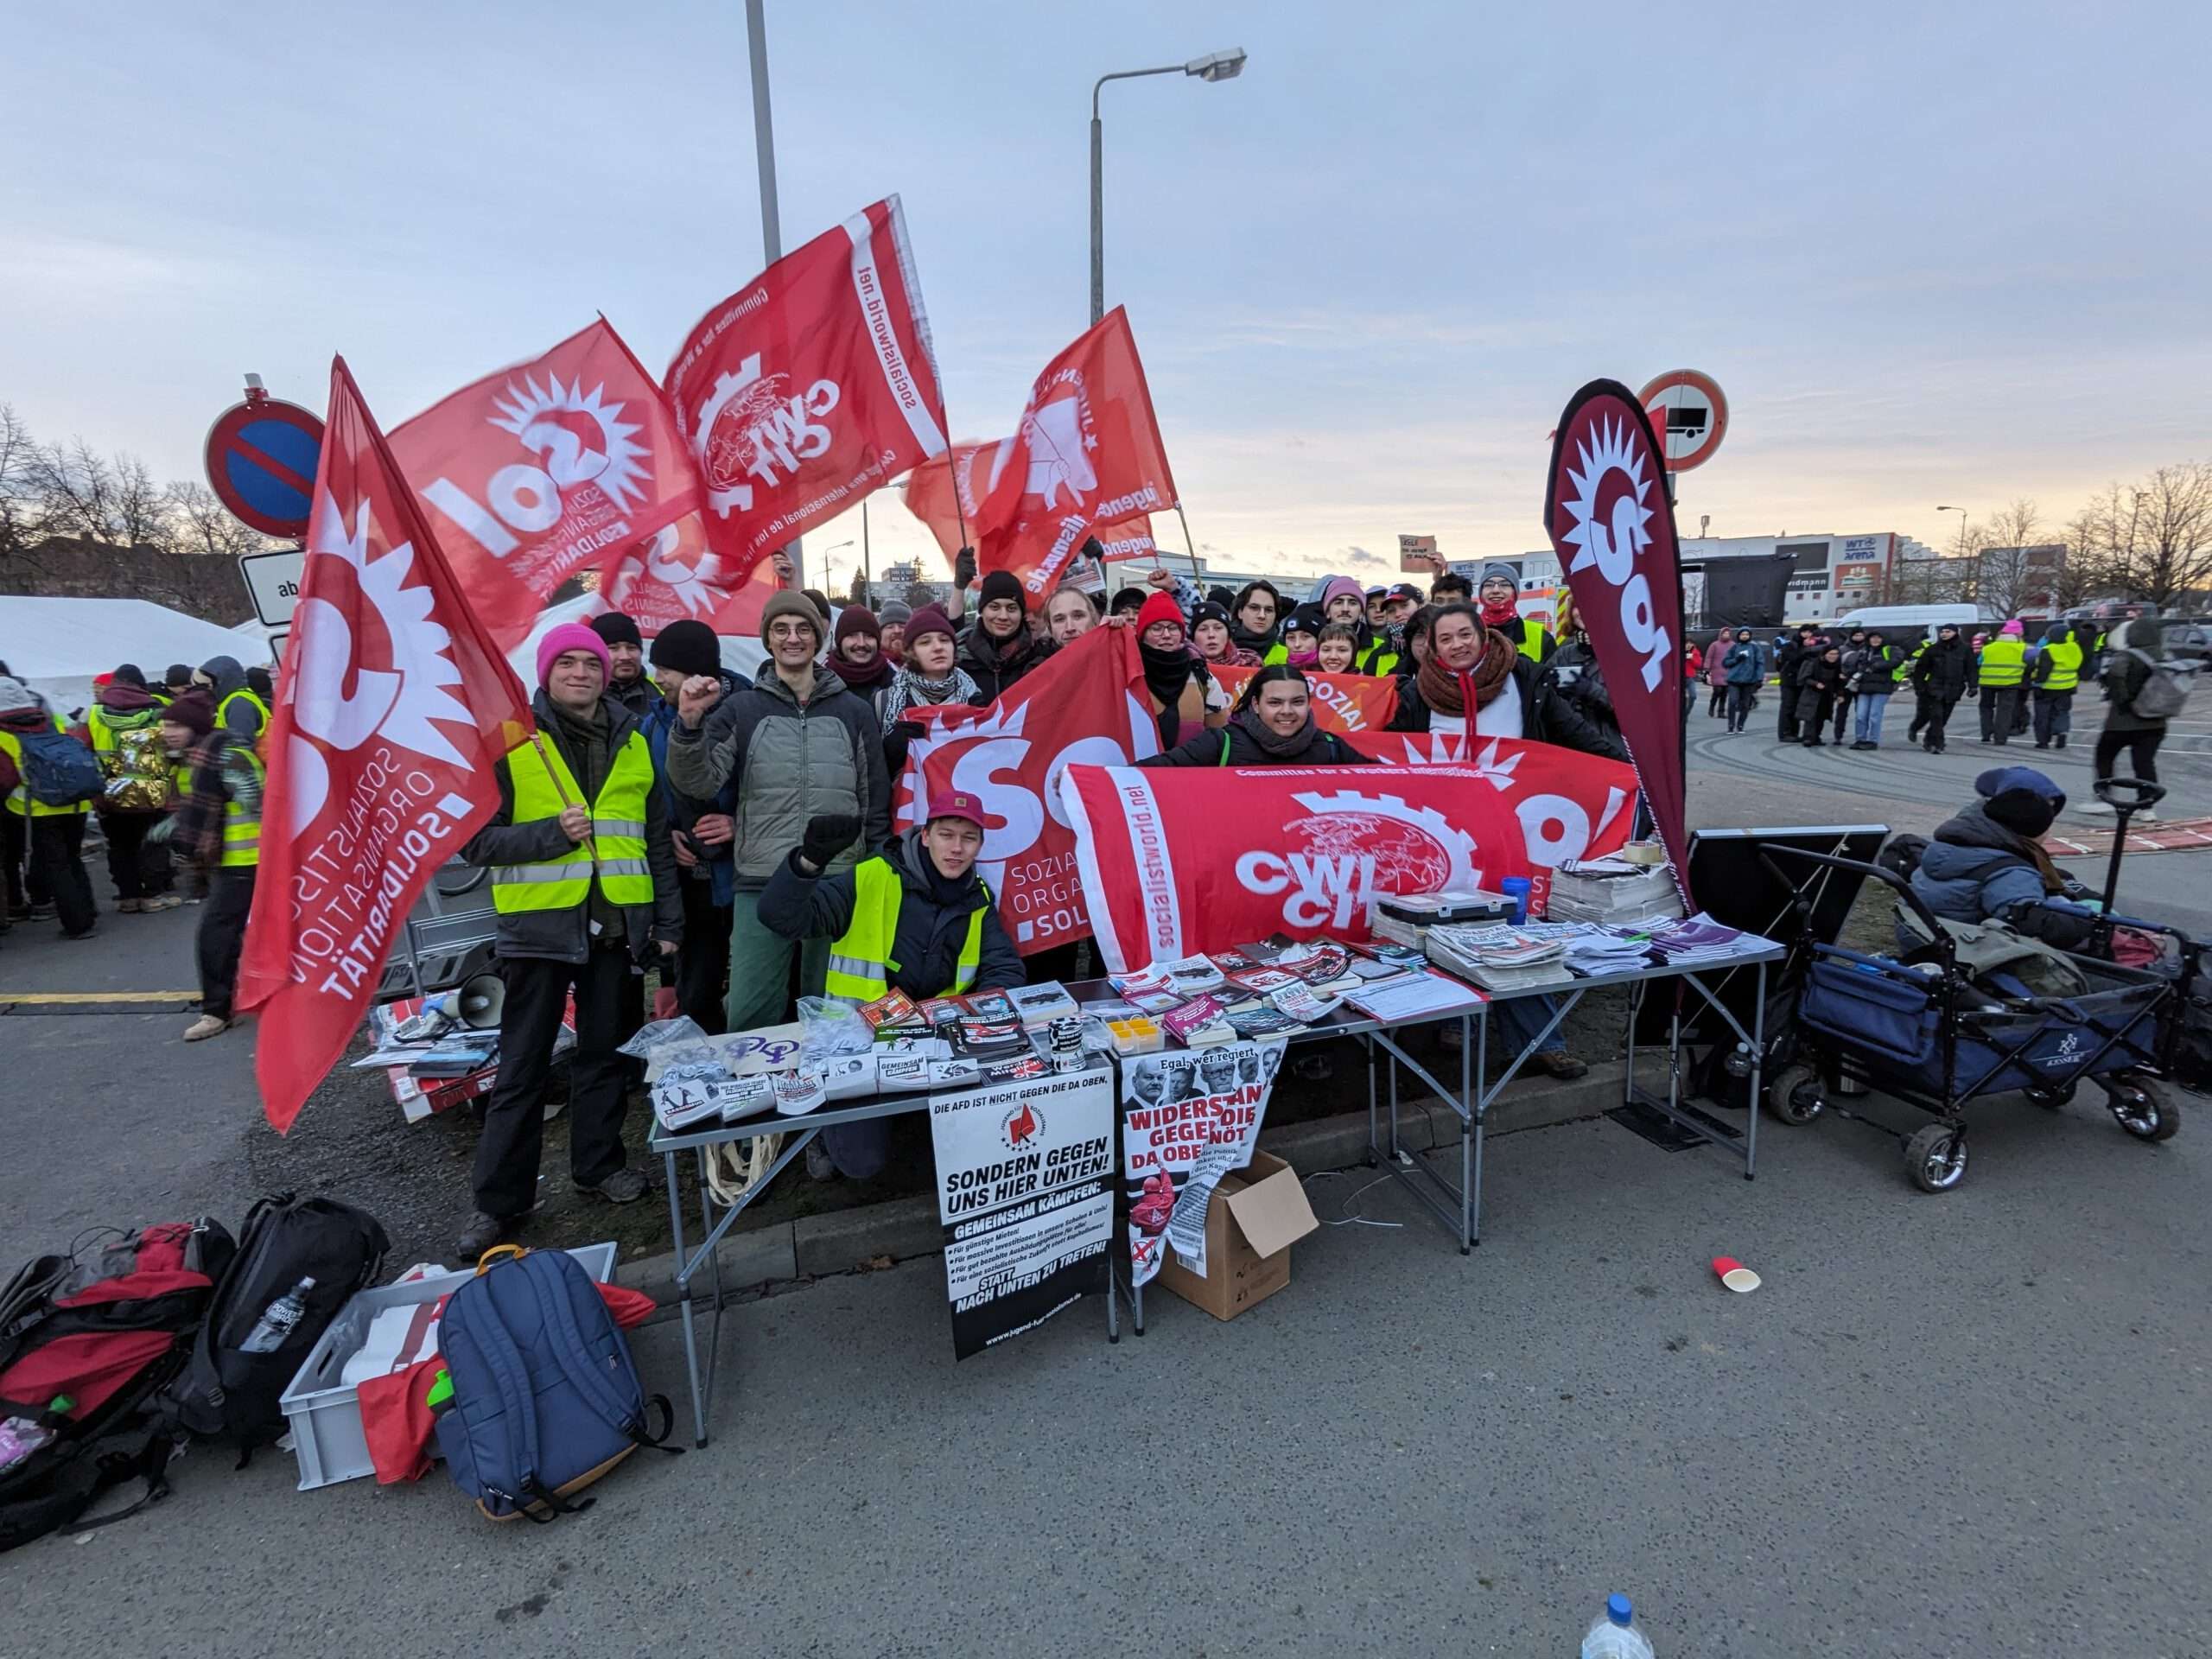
[(1025, 1194)]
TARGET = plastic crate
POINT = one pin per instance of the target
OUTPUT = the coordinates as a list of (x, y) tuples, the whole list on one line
[(324, 1415)]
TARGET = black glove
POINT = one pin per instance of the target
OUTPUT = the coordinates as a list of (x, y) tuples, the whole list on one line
[(828, 836), (963, 567)]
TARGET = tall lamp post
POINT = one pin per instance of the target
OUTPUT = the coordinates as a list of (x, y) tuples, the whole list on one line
[(1215, 65), (1964, 575)]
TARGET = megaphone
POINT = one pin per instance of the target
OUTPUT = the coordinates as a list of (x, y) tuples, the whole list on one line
[(476, 1005)]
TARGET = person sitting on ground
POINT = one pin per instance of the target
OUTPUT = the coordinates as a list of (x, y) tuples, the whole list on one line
[(1184, 695), (1338, 644), (1301, 640), (915, 918), (1272, 725), (627, 683), (1987, 864), (856, 652), (1069, 614), (1211, 634)]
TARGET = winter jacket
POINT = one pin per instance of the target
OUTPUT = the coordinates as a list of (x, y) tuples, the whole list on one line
[(1977, 870), (716, 864), (995, 670), (1819, 677), (791, 763), (638, 696), (1945, 671), (1871, 670), (2125, 676), (1745, 663), (1414, 715), (1573, 708), (1715, 669), (564, 935), (1233, 745), (241, 714), (117, 709), (926, 950)]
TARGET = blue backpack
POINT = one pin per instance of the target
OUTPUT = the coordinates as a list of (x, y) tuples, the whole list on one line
[(545, 1398), (58, 770)]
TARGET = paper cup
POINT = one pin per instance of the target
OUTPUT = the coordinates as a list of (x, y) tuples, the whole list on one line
[(1734, 1274)]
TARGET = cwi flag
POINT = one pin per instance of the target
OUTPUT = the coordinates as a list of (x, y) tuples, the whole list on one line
[(553, 467), (941, 492), (810, 388), (1088, 452), (674, 576), (395, 706)]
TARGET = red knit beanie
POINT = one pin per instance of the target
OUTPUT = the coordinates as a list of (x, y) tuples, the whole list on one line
[(1160, 607)]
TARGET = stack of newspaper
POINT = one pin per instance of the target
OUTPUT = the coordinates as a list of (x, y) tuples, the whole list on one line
[(1499, 958), (1612, 890)]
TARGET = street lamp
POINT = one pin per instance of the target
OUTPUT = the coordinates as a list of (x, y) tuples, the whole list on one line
[(826, 552), (1215, 65), (1961, 512)]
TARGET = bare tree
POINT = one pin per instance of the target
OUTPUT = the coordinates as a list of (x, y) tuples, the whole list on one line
[(2153, 539), (2007, 577), (198, 522), (20, 513)]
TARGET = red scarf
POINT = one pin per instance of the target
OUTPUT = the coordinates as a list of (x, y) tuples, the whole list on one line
[(1496, 616)]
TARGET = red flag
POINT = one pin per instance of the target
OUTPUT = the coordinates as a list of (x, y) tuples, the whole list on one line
[(933, 487), (1606, 508), (1128, 539), (545, 469), (1088, 452), (395, 706), (809, 388), (1083, 703), (1179, 860), (674, 576), (1342, 702)]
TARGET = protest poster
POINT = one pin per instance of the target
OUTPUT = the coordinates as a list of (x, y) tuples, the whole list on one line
[(1189, 1117), (540, 472), (1169, 866), (1084, 703), (1342, 704), (809, 388), (1025, 1194), (395, 710)]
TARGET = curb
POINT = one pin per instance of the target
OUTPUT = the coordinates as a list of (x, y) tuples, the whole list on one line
[(812, 1247)]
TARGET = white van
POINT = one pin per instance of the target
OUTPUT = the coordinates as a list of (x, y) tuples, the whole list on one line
[(1903, 624)]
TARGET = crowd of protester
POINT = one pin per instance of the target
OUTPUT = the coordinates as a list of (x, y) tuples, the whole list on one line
[(733, 836)]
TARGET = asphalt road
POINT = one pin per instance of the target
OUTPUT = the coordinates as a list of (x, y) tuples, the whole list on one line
[(1959, 1426)]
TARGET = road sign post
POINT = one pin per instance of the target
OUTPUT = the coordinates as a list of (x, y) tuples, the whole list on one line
[(272, 582), (261, 457)]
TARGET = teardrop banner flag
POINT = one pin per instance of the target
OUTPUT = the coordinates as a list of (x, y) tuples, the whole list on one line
[(1607, 511)]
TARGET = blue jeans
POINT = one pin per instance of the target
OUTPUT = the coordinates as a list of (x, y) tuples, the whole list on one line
[(1513, 1022), (1869, 725)]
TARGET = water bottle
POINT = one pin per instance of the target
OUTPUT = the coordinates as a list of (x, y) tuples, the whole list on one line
[(278, 1322), (21, 1436), (1615, 1636)]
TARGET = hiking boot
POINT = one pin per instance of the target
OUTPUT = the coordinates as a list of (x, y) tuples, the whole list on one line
[(1561, 1064), (482, 1232), (820, 1165), (160, 902), (207, 1026), (126, 906), (623, 1186)]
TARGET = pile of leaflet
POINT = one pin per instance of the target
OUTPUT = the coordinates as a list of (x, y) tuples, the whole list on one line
[(1701, 940), (1611, 891), (1505, 960)]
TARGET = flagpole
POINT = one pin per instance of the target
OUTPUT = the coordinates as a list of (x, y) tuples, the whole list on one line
[(763, 156), (1190, 550)]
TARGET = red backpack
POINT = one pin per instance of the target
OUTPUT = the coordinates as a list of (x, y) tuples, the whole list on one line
[(103, 1327)]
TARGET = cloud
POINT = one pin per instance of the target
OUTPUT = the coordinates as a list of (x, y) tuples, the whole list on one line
[(1360, 559)]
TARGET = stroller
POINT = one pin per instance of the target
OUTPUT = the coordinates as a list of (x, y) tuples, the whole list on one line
[(1934, 1033)]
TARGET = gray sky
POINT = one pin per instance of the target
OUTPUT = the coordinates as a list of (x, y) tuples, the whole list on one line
[(1933, 253)]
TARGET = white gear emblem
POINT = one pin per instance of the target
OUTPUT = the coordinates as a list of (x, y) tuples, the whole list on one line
[(724, 493), (1413, 848)]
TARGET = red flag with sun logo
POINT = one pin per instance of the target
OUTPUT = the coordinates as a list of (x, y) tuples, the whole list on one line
[(561, 465), (395, 707), (809, 388), (1612, 523)]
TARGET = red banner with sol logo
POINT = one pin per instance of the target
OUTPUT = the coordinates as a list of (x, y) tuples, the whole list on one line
[(550, 467), (1612, 525), (1183, 860), (810, 388), (1086, 703), (396, 707)]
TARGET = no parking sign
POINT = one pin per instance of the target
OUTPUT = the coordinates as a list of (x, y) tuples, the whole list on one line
[(261, 460)]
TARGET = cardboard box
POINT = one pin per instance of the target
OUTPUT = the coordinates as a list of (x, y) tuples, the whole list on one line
[(1256, 1214)]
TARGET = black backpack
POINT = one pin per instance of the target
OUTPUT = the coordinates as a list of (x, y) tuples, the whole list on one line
[(224, 1393), (103, 1327)]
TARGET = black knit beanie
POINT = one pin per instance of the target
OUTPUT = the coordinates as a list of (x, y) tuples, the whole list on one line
[(615, 629), (688, 647)]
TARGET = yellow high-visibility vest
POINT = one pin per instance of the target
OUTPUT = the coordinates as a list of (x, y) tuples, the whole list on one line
[(242, 829), (860, 961), (543, 785), (2003, 661), (19, 798), (222, 710), (2065, 666)]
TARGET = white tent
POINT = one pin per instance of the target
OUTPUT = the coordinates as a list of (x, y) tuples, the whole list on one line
[(57, 645), (250, 643)]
